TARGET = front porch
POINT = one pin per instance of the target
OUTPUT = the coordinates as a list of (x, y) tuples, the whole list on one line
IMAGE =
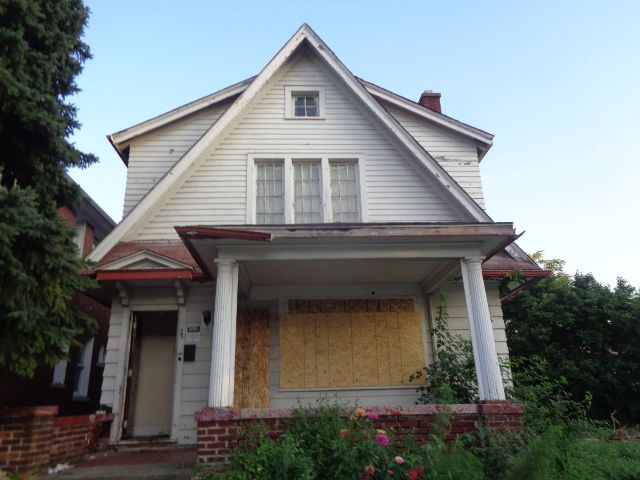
[(267, 264), (303, 312)]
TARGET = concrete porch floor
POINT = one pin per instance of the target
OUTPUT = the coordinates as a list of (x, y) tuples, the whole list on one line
[(161, 464)]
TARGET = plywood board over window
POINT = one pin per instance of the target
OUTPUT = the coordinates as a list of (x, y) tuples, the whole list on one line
[(355, 349), (251, 387)]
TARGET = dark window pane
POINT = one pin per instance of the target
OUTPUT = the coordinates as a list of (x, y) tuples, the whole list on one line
[(299, 111), (312, 112)]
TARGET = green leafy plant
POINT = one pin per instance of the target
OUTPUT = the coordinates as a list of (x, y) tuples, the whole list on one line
[(451, 378)]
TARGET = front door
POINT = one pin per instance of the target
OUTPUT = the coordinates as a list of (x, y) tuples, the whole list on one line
[(152, 374)]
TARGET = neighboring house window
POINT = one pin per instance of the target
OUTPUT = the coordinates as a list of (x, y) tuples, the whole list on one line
[(83, 371), (81, 231), (102, 352), (304, 102), (307, 195), (290, 189), (269, 193), (60, 372)]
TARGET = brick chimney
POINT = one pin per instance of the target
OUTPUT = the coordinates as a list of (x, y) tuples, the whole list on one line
[(431, 100)]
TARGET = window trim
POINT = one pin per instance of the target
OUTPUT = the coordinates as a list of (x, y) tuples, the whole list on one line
[(291, 90), (288, 192)]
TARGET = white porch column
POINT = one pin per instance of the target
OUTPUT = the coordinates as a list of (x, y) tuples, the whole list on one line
[(223, 345), (490, 385)]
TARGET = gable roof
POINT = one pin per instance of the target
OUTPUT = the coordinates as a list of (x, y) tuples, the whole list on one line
[(484, 140), (208, 141), (120, 140)]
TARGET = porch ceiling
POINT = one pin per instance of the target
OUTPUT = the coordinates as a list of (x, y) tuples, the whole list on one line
[(343, 272)]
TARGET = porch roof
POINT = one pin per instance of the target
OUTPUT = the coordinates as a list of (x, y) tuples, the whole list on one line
[(424, 252)]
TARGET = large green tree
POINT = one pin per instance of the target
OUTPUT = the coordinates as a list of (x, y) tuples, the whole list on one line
[(587, 332), (41, 53)]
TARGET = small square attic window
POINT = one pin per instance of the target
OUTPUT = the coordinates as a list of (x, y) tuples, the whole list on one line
[(305, 105), (304, 102)]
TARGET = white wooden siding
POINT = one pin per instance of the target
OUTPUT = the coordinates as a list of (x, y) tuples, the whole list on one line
[(459, 320), (195, 375), (215, 192), (111, 357), (456, 153), (153, 154)]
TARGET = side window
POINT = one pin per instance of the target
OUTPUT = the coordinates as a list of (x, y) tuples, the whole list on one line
[(83, 371), (60, 372)]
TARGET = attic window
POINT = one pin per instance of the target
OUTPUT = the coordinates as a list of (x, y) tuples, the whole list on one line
[(304, 102), (305, 105)]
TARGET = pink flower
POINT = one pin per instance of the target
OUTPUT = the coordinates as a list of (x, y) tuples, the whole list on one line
[(389, 472), (382, 440), (373, 415), (370, 469), (344, 432), (399, 460)]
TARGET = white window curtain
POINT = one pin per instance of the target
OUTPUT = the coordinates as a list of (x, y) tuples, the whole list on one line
[(60, 370), (269, 193), (307, 196), (83, 370), (344, 192)]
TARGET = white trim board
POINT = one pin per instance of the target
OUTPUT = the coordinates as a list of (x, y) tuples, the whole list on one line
[(209, 141), (160, 260)]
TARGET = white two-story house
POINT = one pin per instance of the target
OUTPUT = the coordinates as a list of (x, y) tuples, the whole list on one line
[(290, 237)]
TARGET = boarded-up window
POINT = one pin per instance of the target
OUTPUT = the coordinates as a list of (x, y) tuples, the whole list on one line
[(331, 350), (251, 385)]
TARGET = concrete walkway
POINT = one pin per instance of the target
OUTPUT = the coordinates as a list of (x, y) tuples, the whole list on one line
[(157, 464)]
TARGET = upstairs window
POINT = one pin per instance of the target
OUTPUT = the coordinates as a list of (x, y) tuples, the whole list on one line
[(307, 194), (304, 103), (269, 193), (294, 190), (344, 192)]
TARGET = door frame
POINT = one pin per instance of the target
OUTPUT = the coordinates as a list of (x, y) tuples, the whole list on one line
[(177, 362)]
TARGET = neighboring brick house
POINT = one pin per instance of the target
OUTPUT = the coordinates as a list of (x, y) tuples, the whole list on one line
[(288, 238), (74, 384)]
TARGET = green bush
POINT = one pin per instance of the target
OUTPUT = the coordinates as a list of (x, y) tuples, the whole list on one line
[(451, 378)]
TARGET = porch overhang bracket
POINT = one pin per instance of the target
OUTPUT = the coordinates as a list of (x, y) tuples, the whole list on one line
[(123, 294), (180, 292)]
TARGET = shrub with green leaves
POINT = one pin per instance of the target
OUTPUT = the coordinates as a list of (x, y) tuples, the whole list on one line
[(451, 378)]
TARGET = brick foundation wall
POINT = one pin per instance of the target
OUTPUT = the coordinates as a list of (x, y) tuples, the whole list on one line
[(219, 429), (34, 438)]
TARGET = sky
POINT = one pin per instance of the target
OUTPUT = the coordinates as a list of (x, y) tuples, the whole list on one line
[(557, 83)]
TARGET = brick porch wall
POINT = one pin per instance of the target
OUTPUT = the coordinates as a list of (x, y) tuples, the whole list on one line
[(219, 428), (33, 438)]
